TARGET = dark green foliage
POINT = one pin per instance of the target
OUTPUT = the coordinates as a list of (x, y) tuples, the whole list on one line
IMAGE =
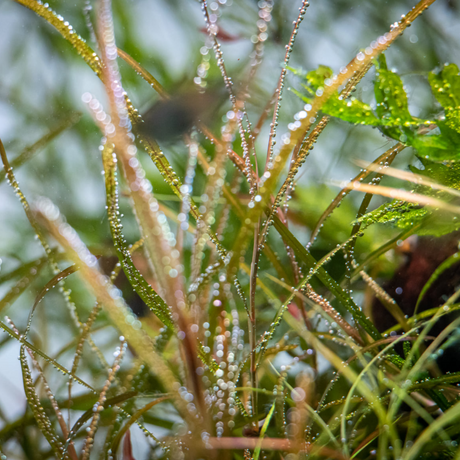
[(232, 332)]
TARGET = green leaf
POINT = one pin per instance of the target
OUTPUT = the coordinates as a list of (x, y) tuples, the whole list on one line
[(392, 107), (390, 95), (437, 147), (351, 110), (406, 215), (446, 89)]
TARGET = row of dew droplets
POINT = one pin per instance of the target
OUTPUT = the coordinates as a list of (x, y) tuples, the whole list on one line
[(67, 31), (99, 405), (212, 29), (149, 296), (41, 418), (162, 252), (280, 86), (55, 268), (346, 190), (159, 240), (220, 392), (35, 402), (361, 61), (107, 295)]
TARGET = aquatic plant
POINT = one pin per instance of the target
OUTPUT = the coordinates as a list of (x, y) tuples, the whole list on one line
[(199, 314)]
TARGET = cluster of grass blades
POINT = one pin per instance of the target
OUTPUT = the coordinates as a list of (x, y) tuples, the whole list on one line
[(250, 343)]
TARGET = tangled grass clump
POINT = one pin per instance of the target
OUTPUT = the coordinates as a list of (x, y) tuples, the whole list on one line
[(210, 322)]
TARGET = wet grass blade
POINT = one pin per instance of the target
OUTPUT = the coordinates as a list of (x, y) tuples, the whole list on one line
[(139, 284), (39, 352), (43, 421), (133, 419), (327, 280), (452, 260)]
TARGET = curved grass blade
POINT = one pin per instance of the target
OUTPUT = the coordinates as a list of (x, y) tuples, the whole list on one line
[(451, 416), (388, 302), (49, 360), (29, 267), (410, 177), (145, 291), (44, 423), (49, 252), (48, 286), (263, 431), (384, 248), (310, 262), (51, 399), (22, 284), (105, 294), (452, 260), (404, 195), (89, 441), (276, 100), (377, 164), (133, 419), (109, 402), (66, 30), (14, 184)]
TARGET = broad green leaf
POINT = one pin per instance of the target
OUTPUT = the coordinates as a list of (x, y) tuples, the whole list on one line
[(351, 110), (392, 107), (390, 96), (407, 215), (446, 89), (437, 147)]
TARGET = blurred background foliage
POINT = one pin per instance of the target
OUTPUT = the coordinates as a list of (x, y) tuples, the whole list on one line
[(42, 80)]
